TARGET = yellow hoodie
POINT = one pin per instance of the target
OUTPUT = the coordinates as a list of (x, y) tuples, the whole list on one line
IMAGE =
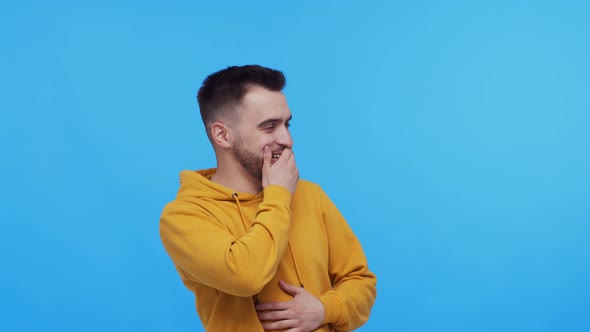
[(231, 249)]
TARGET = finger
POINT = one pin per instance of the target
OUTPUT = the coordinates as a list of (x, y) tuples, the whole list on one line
[(296, 329), (287, 152), (272, 306), (289, 289), (286, 155), (291, 155), (267, 156), (274, 315), (279, 325)]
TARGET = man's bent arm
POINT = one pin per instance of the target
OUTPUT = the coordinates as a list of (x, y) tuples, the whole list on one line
[(348, 304), (208, 254)]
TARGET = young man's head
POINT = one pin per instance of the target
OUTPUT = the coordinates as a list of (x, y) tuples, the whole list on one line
[(244, 110)]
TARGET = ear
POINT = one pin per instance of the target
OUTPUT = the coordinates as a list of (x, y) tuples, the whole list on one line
[(220, 134)]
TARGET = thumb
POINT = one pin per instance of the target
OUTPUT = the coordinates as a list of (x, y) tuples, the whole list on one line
[(289, 289)]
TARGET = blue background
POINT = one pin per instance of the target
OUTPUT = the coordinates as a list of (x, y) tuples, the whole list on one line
[(453, 136)]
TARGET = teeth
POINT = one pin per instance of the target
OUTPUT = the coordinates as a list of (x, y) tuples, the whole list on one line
[(276, 156)]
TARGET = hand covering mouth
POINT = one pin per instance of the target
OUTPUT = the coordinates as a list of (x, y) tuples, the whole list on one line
[(276, 155)]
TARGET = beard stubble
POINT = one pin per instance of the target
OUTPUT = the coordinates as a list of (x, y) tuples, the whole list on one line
[(251, 162)]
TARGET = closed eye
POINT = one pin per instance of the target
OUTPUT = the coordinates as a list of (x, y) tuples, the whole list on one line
[(270, 125)]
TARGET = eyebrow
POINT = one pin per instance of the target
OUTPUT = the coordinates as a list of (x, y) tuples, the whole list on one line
[(272, 121)]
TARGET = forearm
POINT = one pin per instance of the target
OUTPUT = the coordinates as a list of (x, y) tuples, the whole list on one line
[(353, 294), (349, 304), (212, 256)]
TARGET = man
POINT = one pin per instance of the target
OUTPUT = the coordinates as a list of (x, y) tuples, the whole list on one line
[(261, 249)]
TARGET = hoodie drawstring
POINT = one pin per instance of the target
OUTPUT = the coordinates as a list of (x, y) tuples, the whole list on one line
[(295, 264), (236, 198)]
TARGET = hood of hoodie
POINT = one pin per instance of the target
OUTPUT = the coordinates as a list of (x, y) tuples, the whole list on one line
[(198, 184)]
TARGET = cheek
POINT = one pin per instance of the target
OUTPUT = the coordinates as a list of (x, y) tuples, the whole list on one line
[(263, 141), (257, 143)]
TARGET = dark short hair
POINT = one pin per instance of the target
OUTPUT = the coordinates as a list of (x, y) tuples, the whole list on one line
[(223, 91)]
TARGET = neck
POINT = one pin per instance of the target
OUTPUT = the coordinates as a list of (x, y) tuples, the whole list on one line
[(236, 178)]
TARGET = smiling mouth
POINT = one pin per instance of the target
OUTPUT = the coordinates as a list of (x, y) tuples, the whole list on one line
[(276, 156)]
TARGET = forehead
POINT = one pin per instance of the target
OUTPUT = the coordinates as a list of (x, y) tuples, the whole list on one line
[(259, 104)]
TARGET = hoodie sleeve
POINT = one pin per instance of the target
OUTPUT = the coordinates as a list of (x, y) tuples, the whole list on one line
[(210, 255), (348, 304)]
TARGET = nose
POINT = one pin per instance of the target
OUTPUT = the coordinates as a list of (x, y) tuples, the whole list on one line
[(284, 138)]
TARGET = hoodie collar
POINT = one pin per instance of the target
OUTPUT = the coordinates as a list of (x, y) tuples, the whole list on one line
[(199, 184)]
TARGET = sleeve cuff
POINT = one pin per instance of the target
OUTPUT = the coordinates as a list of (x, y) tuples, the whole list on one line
[(332, 309), (277, 193)]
